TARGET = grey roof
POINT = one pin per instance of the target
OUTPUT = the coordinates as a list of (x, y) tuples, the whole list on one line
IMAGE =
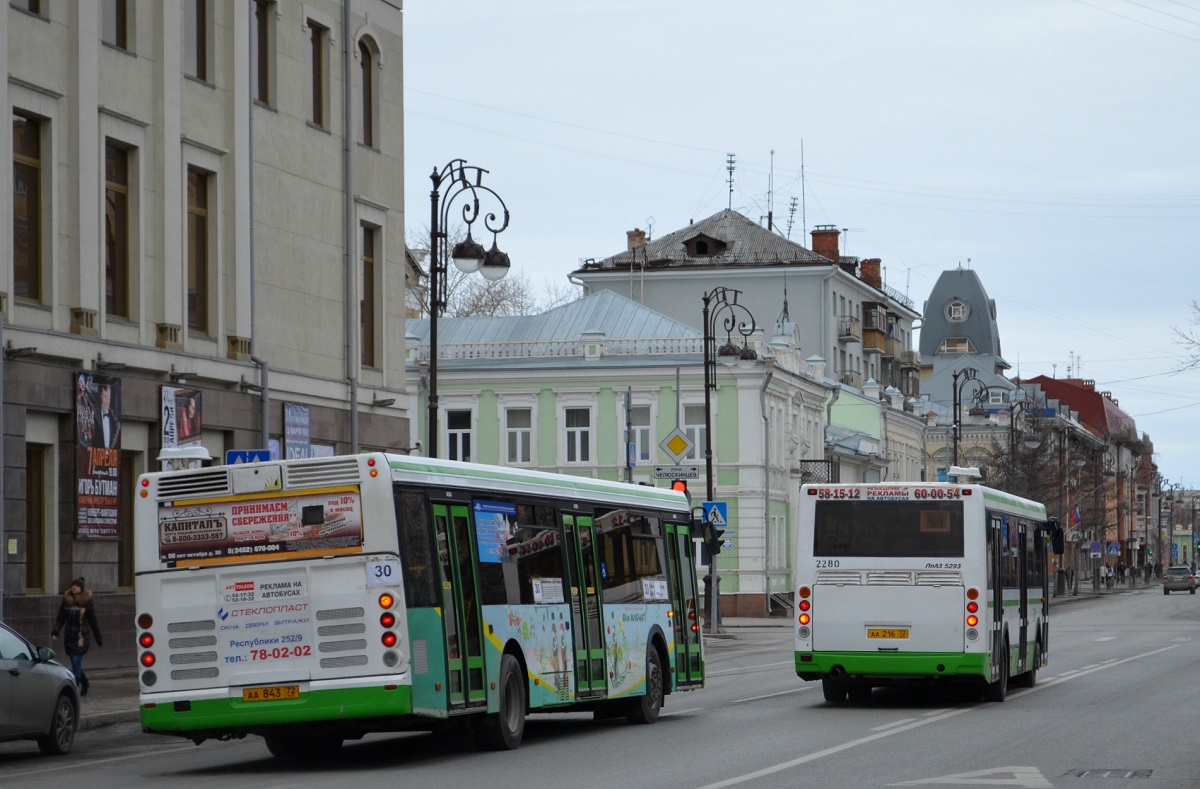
[(745, 243), (980, 324), (606, 312)]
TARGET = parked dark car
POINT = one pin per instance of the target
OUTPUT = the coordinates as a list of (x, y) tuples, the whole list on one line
[(38, 697), (1179, 578)]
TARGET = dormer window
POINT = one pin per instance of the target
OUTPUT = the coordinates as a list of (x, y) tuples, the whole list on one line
[(703, 246), (957, 310)]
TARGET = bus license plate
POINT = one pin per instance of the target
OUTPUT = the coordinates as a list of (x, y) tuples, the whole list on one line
[(275, 693), (887, 632)]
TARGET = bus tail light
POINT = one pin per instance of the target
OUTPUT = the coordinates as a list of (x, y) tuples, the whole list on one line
[(387, 619), (972, 613), (147, 659), (146, 640), (389, 639), (972, 620), (386, 600), (805, 619)]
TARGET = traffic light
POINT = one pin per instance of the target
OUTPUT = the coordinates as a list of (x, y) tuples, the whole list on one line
[(713, 537), (681, 486)]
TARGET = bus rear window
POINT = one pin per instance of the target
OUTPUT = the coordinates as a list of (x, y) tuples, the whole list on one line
[(888, 528)]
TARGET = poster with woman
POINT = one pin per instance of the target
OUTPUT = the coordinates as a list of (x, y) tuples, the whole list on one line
[(182, 423)]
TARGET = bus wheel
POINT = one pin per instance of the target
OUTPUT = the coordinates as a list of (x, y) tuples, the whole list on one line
[(834, 691), (303, 748), (647, 708), (504, 730), (859, 694), (997, 691), (1029, 678)]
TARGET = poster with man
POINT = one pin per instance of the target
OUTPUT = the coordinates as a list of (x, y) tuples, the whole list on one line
[(182, 419), (97, 456)]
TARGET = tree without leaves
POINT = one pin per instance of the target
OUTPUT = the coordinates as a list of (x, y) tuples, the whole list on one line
[(1190, 339)]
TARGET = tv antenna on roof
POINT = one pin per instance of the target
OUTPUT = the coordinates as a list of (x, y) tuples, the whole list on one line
[(729, 160)]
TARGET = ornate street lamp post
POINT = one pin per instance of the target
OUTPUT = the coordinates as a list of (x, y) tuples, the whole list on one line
[(960, 378), (469, 256), (720, 306)]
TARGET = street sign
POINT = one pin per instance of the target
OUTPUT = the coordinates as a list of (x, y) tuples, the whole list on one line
[(677, 472), (716, 513), (1114, 549), (234, 457), (677, 445)]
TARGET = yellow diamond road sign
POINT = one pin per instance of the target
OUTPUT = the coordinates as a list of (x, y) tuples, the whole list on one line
[(677, 445)]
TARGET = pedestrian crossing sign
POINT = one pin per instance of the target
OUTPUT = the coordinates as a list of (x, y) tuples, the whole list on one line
[(716, 513)]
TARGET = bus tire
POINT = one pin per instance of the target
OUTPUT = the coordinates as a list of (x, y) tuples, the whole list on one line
[(859, 693), (302, 748), (998, 691), (834, 691), (646, 708), (1029, 678), (504, 730)]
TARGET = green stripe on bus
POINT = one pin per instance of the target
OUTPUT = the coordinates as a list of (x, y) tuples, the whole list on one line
[(581, 484), (894, 664), (1032, 509), (315, 705)]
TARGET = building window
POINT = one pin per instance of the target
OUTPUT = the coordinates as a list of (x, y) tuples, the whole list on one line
[(957, 311), (116, 231), (197, 251), (367, 305), (125, 522), (261, 52), (518, 431), (27, 208), (695, 426), (319, 76), (35, 517), (32, 6), (458, 435), (114, 23), (366, 58), (579, 435), (956, 345), (639, 432), (195, 38)]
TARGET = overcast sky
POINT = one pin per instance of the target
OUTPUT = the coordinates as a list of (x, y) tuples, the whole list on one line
[(1053, 146)]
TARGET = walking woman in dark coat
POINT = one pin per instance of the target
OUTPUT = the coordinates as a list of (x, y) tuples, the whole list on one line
[(77, 622)]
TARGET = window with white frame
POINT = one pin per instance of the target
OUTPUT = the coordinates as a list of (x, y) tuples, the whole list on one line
[(778, 538), (518, 435), (458, 435), (696, 428), (639, 432), (578, 425)]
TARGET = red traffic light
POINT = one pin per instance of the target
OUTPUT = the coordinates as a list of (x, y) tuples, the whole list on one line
[(680, 485)]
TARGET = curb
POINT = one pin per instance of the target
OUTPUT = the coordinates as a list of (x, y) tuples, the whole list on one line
[(99, 720)]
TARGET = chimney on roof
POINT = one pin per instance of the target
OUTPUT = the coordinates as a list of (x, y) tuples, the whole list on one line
[(869, 272), (825, 241), (635, 238)]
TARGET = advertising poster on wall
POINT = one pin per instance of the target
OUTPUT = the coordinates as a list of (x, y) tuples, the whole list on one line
[(97, 456), (182, 419), (297, 431)]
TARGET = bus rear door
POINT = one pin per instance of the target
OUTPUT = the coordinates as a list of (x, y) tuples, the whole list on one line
[(460, 606), (681, 564), (586, 619)]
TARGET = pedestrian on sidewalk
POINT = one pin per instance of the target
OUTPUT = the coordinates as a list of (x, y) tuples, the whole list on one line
[(77, 622)]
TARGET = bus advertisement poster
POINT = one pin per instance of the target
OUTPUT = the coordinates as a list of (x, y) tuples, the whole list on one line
[(261, 527), (494, 522)]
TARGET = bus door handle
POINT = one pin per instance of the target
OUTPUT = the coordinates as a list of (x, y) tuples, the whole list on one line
[(889, 649)]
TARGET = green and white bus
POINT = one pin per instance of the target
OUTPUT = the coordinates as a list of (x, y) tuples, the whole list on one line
[(911, 581), (313, 601)]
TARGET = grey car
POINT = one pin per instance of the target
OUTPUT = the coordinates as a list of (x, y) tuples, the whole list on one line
[(1179, 578), (38, 697)]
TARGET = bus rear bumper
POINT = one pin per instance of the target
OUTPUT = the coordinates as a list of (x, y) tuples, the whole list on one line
[(205, 714), (890, 665)]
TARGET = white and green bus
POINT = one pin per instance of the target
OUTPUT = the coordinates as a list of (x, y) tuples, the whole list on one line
[(314, 601), (910, 581)]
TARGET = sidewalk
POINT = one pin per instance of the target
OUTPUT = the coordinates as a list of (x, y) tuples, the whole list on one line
[(113, 693)]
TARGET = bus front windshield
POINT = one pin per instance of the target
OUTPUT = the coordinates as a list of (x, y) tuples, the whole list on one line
[(888, 528)]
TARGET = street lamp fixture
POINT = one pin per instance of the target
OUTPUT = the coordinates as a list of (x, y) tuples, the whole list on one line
[(721, 307), (466, 182), (960, 379)]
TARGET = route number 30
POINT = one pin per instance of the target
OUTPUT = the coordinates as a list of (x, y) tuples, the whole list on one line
[(384, 572)]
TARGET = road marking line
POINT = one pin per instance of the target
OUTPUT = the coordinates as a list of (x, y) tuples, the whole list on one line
[(812, 757), (75, 765), (900, 722), (749, 668), (771, 695)]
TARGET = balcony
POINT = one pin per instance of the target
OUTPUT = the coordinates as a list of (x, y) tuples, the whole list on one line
[(874, 329), (910, 360), (892, 348), (849, 329), (851, 378)]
